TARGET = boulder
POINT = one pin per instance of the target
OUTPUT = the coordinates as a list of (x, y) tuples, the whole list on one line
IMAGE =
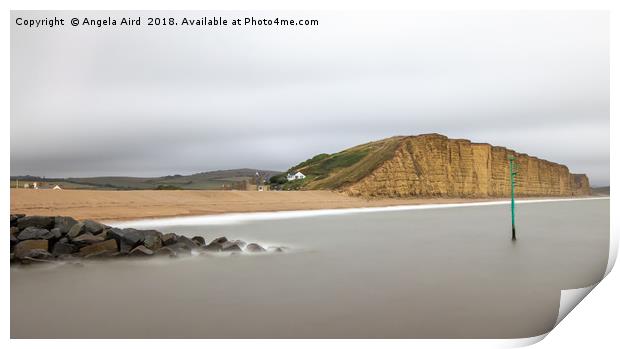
[(152, 239), (15, 217), (108, 245), (76, 230), (87, 239), (220, 240), (254, 248), (14, 231), (31, 233), (179, 248), (37, 255), (23, 247), (199, 240), (14, 240), (169, 239), (230, 246), (276, 249), (63, 248), (187, 242), (55, 233), (93, 227), (141, 251), (240, 243), (213, 247), (104, 235), (43, 222), (166, 251), (127, 239), (64, 224)]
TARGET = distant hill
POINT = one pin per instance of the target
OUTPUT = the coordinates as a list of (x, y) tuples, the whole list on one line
[(600, 191), (433, 165), (204, 180)]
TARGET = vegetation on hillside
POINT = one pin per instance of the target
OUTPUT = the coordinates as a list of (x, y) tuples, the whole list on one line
[(332, 171), (203, 180)]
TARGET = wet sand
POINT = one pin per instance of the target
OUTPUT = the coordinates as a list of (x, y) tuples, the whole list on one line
[(432, 273), (134, 204)]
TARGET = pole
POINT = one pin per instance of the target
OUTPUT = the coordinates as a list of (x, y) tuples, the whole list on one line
[(512, 195)]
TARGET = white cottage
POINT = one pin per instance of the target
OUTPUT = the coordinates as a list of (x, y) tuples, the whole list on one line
[(292, 177)]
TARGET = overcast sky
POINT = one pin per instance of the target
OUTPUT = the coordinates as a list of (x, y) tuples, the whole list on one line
[(151, 101)]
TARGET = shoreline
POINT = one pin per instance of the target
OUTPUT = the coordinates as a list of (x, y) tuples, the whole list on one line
[(234, 218), (149, 204)]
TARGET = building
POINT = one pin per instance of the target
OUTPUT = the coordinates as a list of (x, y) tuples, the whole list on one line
[(296, 176)]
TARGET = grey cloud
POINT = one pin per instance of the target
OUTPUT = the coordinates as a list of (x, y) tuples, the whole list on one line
[(155, 102)]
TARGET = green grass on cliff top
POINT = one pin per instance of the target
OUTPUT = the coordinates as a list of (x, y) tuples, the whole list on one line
[(332, 171)]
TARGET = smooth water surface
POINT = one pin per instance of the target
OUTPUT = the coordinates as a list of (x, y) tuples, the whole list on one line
[(436, 273)]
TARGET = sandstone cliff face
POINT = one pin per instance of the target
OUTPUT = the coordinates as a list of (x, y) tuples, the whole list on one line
[(434, 165)]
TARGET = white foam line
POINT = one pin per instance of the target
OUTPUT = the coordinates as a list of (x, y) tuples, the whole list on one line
[(236, 218)]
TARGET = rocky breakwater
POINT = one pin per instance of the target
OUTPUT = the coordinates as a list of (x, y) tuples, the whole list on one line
[(56, 238)]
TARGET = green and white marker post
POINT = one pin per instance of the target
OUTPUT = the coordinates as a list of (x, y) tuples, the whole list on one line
[(513, 174)]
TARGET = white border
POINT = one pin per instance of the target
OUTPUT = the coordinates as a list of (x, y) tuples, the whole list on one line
[(595, 324)]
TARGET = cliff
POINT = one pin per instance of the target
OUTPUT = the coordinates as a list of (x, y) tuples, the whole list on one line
[(433, 165)]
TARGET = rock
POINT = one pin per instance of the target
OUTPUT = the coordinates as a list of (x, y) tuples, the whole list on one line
[(127, 239), (199, 240), (87, 239), (15, 217), (169, 239), (152, 239), (76, 230), (141, 251), (43, 222), (37, 255), (93, 227), (31, 233), (240, 243), (213, 247), (166, 251), (254, 248), (433, 165), (108, 245), (230, 246), (187, 242), (55, 233), (63, 248), (64, 224), (276, 249), (103, 235), (23, 247), (14, 231), (14, 241), (179, 248), (220, 240)]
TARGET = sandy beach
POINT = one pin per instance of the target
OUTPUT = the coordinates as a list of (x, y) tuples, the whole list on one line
[(135, 204)]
